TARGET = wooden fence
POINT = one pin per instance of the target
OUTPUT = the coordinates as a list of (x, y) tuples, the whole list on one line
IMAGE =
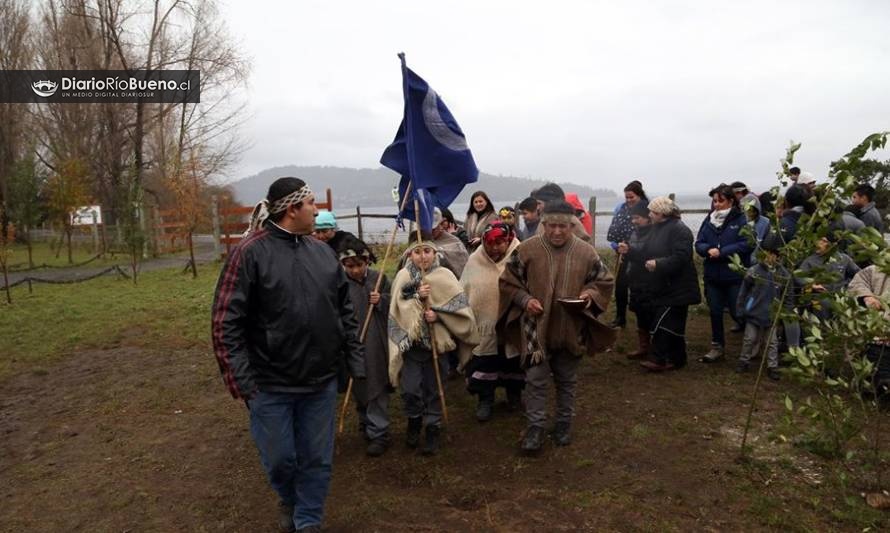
[(231, 220), (167, 231)]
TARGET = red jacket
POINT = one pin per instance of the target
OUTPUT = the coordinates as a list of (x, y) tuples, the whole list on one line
[(575, 202)]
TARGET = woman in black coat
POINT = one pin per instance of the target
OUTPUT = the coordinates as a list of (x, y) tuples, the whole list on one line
[(638, 278), (672, 285)]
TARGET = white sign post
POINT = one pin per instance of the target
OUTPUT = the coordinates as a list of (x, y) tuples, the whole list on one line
[(87, 215)]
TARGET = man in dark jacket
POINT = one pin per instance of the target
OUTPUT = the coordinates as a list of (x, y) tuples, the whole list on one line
[(281, 319)]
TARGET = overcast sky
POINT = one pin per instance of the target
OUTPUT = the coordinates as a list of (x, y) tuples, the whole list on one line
[(683, 96)]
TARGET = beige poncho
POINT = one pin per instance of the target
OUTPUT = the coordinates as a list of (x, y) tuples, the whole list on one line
[(406, 325), (480, 282)]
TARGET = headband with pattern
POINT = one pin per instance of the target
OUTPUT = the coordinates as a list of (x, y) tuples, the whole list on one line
[(263, 209)]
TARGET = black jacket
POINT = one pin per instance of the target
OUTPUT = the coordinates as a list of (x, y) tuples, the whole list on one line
[(638, 278), (674, 281), (282, 316)]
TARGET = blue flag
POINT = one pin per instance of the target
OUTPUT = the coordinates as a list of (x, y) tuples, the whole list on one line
[(429, 150)]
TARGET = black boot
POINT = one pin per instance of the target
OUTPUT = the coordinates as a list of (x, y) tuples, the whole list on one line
[(484, 408), (562, 434), (514, 400), (377, 447), (533, 441), (286, 518), (412, 437), (432, 440)]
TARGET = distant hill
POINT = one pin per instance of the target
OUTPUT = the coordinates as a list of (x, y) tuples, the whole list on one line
[(372, 187)]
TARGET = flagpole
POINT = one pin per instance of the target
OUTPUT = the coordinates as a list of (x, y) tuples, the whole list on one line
[(426, 307), (364, 333)]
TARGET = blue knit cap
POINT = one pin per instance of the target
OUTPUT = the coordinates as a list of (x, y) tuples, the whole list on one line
[(325, 220)]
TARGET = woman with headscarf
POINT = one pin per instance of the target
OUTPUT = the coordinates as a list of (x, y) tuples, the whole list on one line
[(620, 231), (673, 287), (491, 363), (719, 238)]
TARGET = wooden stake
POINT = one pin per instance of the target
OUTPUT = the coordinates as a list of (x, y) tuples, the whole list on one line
[(618, 265), (426, 307)]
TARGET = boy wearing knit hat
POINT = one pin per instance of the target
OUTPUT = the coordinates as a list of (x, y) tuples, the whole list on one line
[(371, 393)]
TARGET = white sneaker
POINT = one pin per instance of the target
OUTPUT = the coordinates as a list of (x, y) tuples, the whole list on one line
[(714, 355)]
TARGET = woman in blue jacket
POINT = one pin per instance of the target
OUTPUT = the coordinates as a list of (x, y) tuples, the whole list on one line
[(719, 238)]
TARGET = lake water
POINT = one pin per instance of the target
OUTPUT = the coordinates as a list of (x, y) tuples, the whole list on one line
[(379, 230)]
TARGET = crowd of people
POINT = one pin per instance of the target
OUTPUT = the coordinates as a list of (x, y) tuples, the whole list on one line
[(513, 298)]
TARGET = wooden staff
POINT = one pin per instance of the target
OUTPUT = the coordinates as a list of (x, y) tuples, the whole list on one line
[(426, 306), (364, 333), (618, 264)]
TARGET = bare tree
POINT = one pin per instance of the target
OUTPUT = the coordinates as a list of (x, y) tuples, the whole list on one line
[(15, 54)]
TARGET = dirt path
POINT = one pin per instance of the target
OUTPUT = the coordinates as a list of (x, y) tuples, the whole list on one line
[(139, 440)]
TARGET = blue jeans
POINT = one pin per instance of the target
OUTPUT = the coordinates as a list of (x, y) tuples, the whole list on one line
[(719, 297), (294, 433)]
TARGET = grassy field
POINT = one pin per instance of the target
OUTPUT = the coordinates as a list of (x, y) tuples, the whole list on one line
[(44, 254), (114, 418), (165, 310)]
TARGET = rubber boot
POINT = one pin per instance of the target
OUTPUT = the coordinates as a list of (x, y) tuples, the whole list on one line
[(432, 440), (644, 341), (485, 406), (412, 437)]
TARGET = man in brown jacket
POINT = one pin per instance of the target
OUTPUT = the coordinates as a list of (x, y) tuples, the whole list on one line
[(552, 336)]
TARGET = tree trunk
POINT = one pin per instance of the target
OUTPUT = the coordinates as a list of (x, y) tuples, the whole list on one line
[(70, 256), (134, 261), (6, 284), (61, 241), (192, 256), (30, 247)]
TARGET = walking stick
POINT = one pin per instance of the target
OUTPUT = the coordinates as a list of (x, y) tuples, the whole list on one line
[(367, 323), (618, 265), (426, 307)]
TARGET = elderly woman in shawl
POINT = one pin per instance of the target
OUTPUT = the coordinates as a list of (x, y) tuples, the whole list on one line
[(553, 288), (427, 306), (490, 363)]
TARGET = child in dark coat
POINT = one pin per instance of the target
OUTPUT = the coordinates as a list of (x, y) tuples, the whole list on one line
[(763, 283), (371, 393)]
